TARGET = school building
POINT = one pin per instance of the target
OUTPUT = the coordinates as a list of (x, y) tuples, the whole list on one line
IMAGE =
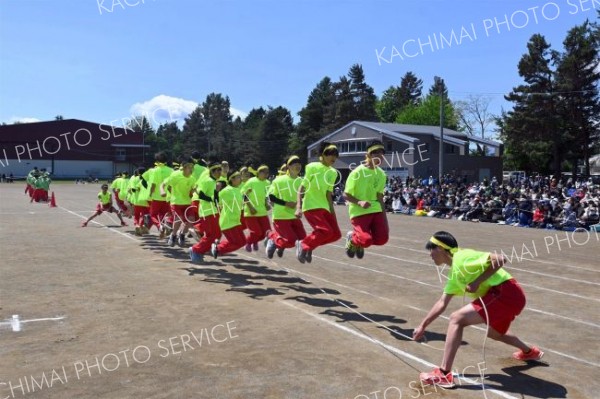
[(70, 148), (413, 150)]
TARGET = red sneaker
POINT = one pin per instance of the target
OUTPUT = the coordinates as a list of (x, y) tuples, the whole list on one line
[(436, 377), (534, 354)]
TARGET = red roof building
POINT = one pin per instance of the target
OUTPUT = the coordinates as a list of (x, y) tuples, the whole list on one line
[(70, 148)]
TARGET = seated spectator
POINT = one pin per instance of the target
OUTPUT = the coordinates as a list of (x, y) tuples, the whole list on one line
[(475, 211), (591, 214), (511, 211), (525, 211)]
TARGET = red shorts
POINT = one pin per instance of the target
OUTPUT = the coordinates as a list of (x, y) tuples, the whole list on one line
[(104, 208), (503, 303), (182, 212)]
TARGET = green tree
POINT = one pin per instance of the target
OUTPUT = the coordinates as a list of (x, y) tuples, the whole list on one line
[(531, 130), (577, 81), (427, 112), (315, 117), (140, 125), (363, 95), (395, 98), (438, 84), (209, 128), (169, 139)]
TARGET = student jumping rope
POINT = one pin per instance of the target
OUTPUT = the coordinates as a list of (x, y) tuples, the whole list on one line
[(287, 227), (498, 300), (231, 202), (105, 205), (208, 212), (364, 191), (159, 207), (180, 184), (139, 200), (255, 211), (315, 201)]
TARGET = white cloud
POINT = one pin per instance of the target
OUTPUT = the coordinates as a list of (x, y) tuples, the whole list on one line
[(236, 112), (22, 119), (162, 108)]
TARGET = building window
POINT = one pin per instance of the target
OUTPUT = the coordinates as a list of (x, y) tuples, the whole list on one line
[(120, 154), (352, 146), (450, 149)]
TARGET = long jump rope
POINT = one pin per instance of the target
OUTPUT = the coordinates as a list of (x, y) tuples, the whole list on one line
[(424, 342)]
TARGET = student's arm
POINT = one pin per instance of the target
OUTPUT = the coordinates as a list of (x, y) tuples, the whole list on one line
[(496, 262), (436, 310), (330, 200), (163, 192), (299, 202), (353, 200)]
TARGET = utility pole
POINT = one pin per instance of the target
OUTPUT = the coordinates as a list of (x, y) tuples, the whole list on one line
[(440, 84)]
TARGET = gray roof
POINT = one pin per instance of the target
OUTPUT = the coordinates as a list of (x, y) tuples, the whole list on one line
[(406, 133)]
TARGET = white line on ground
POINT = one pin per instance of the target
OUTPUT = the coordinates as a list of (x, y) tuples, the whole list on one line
[(98, 223), (442, 316), (411, 261), (397, 351), (4, 323)]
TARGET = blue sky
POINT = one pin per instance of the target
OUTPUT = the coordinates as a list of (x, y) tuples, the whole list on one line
[(103, 61)]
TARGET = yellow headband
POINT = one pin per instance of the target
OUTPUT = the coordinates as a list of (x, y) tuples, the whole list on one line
[(262, 168), (292, 159), (375, 148), (329, 147), (251, 170), (217, 166), (159, 163), (437, 242), (234, 174)]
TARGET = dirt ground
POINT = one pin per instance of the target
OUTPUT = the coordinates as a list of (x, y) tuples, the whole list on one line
[(106, 314)]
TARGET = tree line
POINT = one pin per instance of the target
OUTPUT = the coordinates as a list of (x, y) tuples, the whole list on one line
[(554, 124)]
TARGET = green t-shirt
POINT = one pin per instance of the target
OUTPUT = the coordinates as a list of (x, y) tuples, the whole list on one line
[(467, 265), (140, 195), (286, 189), (364, 184), (132, 198), (105, 199), (181, 187), (256, 191), (157, 177), (198, 171), (116, 184), (207, 185), (231, 202), (318, 180), (122, 186)]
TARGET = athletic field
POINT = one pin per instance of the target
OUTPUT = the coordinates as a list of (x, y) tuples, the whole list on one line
[(105, 314)]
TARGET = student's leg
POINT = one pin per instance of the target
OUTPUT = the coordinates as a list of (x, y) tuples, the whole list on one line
[(380, 230), (509, 339), (361, 233), (325, 228), (234, 240), (465, 316)]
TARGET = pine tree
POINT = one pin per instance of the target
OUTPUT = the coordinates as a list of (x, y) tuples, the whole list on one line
[(363, 95), (438, 84), (531, 130), (396, 98), (577, 80)]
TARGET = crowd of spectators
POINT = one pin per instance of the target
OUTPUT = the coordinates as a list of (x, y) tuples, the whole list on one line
[(537, 201)]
